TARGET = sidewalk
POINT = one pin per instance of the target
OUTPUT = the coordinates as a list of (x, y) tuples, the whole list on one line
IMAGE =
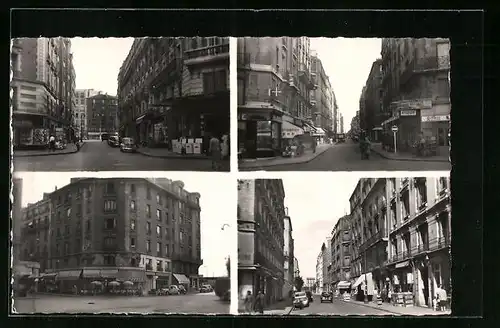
[(165, 153), (401, 310), (377, 148), (275, 161), (70, 149)]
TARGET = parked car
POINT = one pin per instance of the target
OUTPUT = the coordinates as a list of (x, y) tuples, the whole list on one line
[(104, 136), (326, 297), (173, 290), (128, 145), (300, 300), (114, 141), (182, 289), (206, 289), (310, 296), (163, 291)]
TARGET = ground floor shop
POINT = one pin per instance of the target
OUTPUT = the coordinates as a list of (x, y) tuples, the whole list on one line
[(258, 278), (35, 130)]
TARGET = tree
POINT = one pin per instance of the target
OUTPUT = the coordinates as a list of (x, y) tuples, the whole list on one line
[(228, 266), (299, 283)]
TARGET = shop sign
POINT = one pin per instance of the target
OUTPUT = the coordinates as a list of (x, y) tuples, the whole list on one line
[(436, 118), (245, 249), (408, 112)]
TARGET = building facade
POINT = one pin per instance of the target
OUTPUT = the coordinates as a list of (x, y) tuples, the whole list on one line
[(372, 115), (296, 268), (261, 238), (43, 85), (319, 271), (341, 252), (101, 115), (17, 213), (322, 100), (341, 123), (401, 235), (170, 88), (327, 264), (416, 89), (355, 125), (288, 264), (275, 85), (146, 231), (80, 113)]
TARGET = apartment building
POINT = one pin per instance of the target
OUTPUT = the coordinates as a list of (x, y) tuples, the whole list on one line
[(288, 264), (322, 100), (327, 264), (340, 250), (80, 113), (319, 270), (416, 89), (101, 115), (371, 114), (175, 87), (43, 87), (275, 86), (146, 231), (261, 238)]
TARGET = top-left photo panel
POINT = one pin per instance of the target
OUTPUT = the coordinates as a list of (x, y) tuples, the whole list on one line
[(120, 104)]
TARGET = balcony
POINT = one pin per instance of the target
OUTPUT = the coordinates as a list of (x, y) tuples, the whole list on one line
[(149, 267), (305, 76), (207, 55), (421, 65), (292, 80)]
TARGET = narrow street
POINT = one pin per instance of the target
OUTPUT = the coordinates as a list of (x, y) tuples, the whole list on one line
[(191, 303), (99, 156)]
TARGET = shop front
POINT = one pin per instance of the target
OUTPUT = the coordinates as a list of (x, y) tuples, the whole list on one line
[(181, 279), (260, 133), (29, 131), (435, 126), (402, 283)]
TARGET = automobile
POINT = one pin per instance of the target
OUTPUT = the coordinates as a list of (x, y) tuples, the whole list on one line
[(114, 141), (182, 289), (326, 297), (163, 291), (300, 300), (206, 289), (104, 136), (128, 145), (173, 290), (310, 296)]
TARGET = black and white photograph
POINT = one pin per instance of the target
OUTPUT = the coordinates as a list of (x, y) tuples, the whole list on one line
[(343, 104), (345, 245), (87, 244), (126, 104)]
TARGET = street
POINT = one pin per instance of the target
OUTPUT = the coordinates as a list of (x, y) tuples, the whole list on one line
[(347, 157), (190, 303), (99, 156)]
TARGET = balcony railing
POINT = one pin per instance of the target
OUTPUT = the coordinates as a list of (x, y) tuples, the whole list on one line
[(424, 64), (305, 75), (149, 267), (210, 53)]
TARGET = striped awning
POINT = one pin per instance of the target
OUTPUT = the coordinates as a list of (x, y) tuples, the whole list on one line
[(181, 279), (91, 273), (109, 273), (68, 275)]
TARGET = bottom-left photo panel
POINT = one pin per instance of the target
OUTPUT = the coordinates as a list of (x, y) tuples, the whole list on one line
[(96, 243)]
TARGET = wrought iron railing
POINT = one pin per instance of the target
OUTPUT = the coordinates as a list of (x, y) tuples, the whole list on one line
[(207, 51)]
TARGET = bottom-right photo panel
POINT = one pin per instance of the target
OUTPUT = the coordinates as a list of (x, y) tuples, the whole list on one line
[(343, 244)]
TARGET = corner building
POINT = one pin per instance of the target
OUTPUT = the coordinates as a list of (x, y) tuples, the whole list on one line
[(146, 231), (261, 257)]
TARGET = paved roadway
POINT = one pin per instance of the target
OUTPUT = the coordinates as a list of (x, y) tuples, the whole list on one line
[(204, 303), (338, 307), (347, 157), (98, 156)]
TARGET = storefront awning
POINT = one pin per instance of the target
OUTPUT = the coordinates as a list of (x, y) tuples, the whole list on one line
[(319, 131), (139, 119), (181, 279), (91, 273), (109, 273), (68, 275), (361, 279), (289, 130), (343, 285)]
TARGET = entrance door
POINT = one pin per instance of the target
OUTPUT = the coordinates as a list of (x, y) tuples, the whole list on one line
[(251, 139), (424, 273)]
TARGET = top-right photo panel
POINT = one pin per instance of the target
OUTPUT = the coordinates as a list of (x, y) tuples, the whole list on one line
[(343, 104)]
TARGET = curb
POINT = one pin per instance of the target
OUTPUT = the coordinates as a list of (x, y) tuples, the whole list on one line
[(381, 154), (279, 164), (51, 154), (174, 157), (393, 312)]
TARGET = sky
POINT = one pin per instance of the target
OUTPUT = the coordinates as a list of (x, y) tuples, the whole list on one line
[(213, 251), (314, 206), (347, 61), (97, 62)]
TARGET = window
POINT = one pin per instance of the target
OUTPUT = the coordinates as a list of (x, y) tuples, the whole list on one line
[(158, 199), (158, 247), (405, 209), (109, 242), (109, 206), (148, 227), (436, 269), (66, 248), (148, 246), (443, 88), (167, 253), (159, 265), (132, 205), (68, 213), (132, 225), (180, 236), (148, 193), (89, 226), (148, 211), (214, 82), (158, 215), (158, 231), (132, 188), (241, 91), (132, 242), (421, 192), (109, 260), (110, 223), (110, 188)]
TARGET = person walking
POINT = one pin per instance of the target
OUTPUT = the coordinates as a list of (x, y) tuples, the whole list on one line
[(214, 150), (441, 298), (259, 302), (225, 147), (52, 143), (249, 302)]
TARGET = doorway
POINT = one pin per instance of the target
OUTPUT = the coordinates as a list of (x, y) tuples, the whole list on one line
[(424, 273)]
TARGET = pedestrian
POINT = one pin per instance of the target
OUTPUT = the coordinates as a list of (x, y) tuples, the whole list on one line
[(249, 302), (441, 298), (52, 143), (259, 303), (214, 150), (225, 147)]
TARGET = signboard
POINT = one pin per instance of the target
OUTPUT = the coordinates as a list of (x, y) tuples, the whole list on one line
[(408, 112), (394, 128), (413, 104), (245, 248), (436, 118)]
